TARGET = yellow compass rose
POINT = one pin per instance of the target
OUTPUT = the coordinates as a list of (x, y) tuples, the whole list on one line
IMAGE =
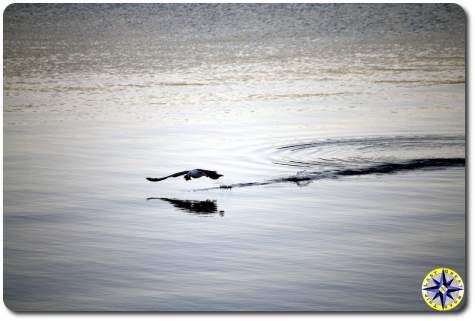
[(442, 289)]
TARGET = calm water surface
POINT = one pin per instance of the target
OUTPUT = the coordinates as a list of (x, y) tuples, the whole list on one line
[(98, 97)]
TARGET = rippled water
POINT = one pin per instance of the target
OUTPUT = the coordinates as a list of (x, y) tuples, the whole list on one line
[(339, 129)]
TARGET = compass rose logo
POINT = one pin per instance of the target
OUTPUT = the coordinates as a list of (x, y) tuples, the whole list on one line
[(442, 289)]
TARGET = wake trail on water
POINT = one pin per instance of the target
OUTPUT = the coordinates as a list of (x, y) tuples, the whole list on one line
[(305, 177)]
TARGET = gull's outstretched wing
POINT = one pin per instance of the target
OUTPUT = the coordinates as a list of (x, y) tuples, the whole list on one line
[(210, 174), (162, 178)]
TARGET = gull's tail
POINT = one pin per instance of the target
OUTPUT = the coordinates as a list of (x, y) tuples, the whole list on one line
[(210, 174)]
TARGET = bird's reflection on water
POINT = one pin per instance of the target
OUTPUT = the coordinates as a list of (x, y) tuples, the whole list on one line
[(201, 208)]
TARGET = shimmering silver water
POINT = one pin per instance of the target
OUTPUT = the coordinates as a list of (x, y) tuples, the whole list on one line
[(97, 97)]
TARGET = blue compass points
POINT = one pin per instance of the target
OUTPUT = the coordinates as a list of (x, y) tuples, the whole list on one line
[(442, 289)]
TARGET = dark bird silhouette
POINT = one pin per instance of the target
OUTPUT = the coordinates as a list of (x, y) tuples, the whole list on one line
[(202, 208), (189, 174)]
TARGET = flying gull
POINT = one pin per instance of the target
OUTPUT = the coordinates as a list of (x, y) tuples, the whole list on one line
[(194, 173)]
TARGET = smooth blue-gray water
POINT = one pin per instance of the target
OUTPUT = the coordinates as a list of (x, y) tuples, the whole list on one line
[(340, 131)]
